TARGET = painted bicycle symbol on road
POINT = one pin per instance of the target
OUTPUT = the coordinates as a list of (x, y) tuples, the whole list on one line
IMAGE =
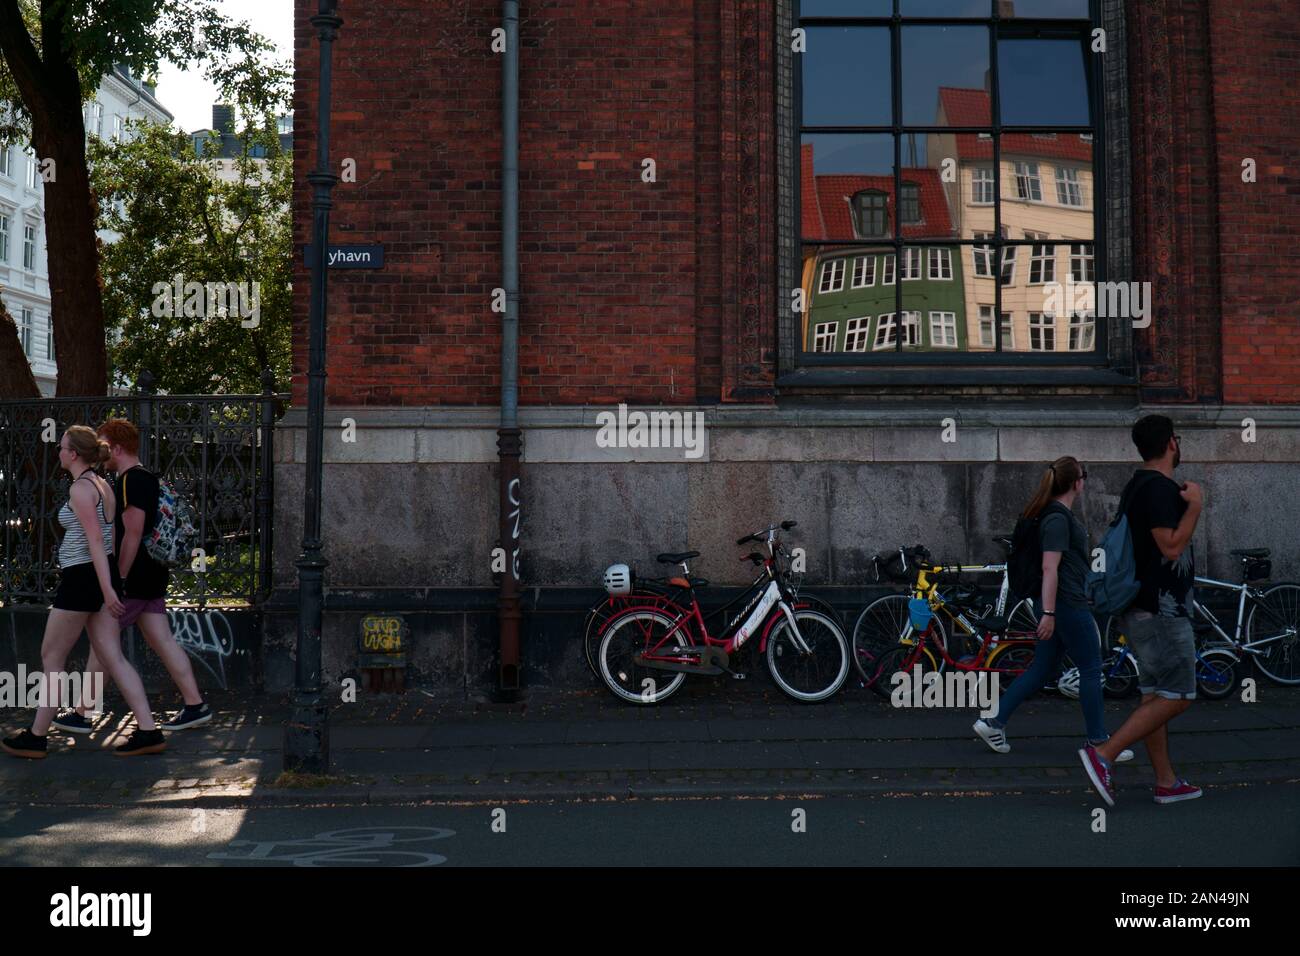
[(361, 846)]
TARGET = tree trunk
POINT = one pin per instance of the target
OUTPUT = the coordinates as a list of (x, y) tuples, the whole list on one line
[(50, 88), (75, 304), (16, 379)]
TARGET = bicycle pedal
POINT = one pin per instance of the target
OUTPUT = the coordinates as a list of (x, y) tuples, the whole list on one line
[(737, 675)]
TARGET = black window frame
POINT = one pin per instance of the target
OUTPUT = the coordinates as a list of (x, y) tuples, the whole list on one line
[(1111, 360)]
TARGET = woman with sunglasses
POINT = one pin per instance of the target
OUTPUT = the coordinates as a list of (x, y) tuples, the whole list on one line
[(1065, 624)]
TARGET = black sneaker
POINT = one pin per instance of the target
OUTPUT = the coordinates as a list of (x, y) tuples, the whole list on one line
[(191, 715), (25, 744), (71, 722), (142, 742)]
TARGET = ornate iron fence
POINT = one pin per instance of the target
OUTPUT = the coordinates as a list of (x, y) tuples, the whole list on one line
[(215, 449)]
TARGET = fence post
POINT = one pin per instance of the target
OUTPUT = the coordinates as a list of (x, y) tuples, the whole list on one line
[(265, 487), (146, 386)]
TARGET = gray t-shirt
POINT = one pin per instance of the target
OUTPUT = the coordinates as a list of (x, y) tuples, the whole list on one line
[(1062, 531)]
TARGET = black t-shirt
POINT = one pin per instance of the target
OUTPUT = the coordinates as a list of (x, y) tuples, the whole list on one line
[(1166, 585), (1059, 530), (138, 488)]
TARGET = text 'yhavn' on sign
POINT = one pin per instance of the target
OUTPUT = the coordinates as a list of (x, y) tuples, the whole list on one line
[(349, 257)]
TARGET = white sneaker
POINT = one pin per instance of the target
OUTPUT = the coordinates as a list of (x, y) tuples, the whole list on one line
[(993, 736), (1124, 756)]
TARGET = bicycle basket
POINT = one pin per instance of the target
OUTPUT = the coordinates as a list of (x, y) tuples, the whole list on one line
[(1259, 569), (919, 611)]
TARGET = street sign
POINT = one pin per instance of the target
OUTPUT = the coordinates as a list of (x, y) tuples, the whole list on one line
[(349, 257)]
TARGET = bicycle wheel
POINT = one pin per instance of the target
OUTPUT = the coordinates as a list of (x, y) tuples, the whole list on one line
[(884, 623), (633, 632), (1216, 673), (1120, 668), (893, 661), (819, 673), (1022, 619), (1119, 674), (1009, 661), (1278, 611)]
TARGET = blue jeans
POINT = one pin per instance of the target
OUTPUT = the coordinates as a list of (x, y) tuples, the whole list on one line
[(1074, 635)]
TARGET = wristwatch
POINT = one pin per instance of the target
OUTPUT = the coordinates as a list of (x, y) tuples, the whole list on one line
[(1049, 614)]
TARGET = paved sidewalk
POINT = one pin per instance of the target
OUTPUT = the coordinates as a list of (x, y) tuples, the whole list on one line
[(710, 739)]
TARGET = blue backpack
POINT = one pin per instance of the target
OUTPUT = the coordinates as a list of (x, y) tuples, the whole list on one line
[(1112, 590)]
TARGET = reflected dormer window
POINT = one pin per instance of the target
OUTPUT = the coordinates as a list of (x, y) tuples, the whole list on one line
[(870, 218)]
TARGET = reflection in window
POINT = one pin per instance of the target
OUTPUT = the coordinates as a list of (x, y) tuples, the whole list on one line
[(856, 334), (910, 205), (876, 187), (1081, 263), (1083, 332), (824, 337), (885, 332), (1008, 265), (1042, 261), (1028, 185), (832, 276), (911, 264), (943, 330), (982, 256), (986, 329), (911, 328), (1042, 331), (1068, 192), (864, 272), (941, 264), (871, 220)]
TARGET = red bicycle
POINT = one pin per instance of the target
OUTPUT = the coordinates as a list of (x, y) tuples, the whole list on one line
[(996, 652), (646, 651)]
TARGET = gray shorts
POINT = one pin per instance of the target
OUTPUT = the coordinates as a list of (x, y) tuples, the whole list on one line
[(1166, 652)]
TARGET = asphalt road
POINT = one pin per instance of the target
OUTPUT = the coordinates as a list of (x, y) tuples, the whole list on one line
[(1248, 825)]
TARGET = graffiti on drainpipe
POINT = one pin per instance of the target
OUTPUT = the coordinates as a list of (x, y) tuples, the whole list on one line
[(512, 492)]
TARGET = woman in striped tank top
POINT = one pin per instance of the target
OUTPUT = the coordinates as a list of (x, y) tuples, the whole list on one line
[(89, 597)]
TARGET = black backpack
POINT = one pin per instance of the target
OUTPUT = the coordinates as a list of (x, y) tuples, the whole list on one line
[(1025, 563)]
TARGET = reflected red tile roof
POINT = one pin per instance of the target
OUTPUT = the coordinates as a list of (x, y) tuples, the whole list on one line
[(969, 107), (825, 198)]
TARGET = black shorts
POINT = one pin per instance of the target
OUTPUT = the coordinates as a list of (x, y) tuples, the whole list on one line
[(79, 587)]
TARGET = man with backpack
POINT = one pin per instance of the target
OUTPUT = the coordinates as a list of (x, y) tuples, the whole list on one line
[(144, 578), (1161, 515)]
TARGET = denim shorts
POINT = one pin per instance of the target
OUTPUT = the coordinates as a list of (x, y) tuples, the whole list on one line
[(1166, 652)]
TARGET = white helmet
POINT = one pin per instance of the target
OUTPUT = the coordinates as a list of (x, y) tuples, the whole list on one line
[(1069, 683), (618, 579)]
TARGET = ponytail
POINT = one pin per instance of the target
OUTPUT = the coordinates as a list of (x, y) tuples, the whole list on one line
[(90, 448), (1058, 478)]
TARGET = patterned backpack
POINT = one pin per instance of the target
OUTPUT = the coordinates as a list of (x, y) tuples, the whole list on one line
[(174, 536)]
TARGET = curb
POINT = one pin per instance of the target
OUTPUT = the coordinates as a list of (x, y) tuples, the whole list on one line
[(618, 787)]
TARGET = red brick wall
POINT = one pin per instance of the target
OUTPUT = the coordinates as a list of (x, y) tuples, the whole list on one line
[(613, 305), (1255, 51), (665, 291)]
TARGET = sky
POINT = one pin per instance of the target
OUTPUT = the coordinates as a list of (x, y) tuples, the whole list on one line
[(189, 96)]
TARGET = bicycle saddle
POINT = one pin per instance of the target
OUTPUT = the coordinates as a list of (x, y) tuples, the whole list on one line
[(1251, 552), (676, 557), (990, 623)]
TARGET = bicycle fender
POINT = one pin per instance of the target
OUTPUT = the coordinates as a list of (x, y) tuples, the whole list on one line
[(788, 613)]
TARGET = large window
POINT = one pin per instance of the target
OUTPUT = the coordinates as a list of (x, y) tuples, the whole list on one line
[(29, 248), (933, 140)]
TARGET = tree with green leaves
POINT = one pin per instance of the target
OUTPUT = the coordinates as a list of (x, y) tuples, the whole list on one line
[(53, 54), (186, 239)]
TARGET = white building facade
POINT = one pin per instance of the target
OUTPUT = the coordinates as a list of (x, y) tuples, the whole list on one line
[(24, 272)]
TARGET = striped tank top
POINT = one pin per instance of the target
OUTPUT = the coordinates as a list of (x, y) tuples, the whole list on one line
[(74, 549)]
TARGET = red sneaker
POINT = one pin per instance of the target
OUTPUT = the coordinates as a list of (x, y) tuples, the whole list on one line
[(1182, 790), (1099, 773)]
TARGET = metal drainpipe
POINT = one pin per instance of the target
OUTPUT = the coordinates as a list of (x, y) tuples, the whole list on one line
[(509, 438)]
